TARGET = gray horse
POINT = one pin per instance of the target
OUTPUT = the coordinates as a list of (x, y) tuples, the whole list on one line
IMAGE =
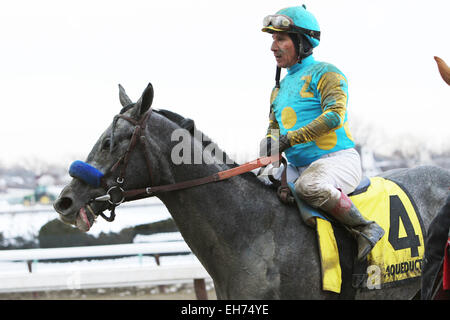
[(252, 245)]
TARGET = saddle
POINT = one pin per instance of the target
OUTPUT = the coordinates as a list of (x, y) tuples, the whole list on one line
[(309, 213)]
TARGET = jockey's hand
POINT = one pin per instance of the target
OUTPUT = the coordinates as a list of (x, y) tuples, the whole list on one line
[(269, 145), (283, 143)]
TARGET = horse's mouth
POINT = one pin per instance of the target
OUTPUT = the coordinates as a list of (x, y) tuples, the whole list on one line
[(85, 218)]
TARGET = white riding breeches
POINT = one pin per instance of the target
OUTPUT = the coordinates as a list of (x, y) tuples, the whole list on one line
[(319, 183)]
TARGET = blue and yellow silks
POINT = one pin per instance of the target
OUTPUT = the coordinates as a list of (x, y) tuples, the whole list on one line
[(311, 108), (397, 256)]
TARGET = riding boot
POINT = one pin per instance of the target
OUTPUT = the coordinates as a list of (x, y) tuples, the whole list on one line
[(367, 233)]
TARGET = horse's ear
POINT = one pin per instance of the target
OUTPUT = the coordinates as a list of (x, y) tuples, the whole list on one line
[(123, 97), (145, 102), (444, 69)]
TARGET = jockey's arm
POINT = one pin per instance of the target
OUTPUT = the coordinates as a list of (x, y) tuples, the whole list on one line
[(332, 88)]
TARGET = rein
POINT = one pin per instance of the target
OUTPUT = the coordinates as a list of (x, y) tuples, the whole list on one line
[(219, 176), (115, 195)]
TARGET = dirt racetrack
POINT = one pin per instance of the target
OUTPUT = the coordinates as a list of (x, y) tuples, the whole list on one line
[(169, 292)]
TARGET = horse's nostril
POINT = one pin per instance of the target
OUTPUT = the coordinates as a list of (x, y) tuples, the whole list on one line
[(63, 204)]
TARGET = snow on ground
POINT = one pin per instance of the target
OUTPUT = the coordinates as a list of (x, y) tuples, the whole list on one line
[(158, 237), (25, 221), (17, 220)]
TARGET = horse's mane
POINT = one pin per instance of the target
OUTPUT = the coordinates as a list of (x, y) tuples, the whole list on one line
[(189, 125), (184, 123)]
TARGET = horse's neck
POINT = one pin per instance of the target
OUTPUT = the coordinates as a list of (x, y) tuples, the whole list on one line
[(217, 218), (213, 206)]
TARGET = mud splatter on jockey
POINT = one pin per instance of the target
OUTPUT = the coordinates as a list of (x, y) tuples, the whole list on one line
[(308, 122)]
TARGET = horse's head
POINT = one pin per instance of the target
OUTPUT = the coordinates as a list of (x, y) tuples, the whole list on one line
[(123, 157)]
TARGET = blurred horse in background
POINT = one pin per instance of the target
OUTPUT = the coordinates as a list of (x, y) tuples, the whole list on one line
[(444, 69)]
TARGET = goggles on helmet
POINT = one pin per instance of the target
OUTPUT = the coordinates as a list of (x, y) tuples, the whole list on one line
[(278, 21), (284, 23)]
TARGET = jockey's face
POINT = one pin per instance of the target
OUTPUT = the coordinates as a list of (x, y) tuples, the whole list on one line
[(283, 50)]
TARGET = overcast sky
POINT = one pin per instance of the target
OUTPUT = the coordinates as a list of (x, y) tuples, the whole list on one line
[(61, 62)]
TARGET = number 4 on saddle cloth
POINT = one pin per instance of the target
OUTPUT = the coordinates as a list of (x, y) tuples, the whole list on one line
[(397, 257)]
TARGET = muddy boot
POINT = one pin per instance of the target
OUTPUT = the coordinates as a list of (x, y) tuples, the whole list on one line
[(367, 233)]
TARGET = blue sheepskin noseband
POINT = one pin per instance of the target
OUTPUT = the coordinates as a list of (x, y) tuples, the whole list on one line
[(87, 173)]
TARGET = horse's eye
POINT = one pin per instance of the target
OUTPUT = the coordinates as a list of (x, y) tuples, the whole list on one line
[(106, 144)]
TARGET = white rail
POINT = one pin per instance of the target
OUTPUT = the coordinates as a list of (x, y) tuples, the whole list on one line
[(95, 251), (101, 277)]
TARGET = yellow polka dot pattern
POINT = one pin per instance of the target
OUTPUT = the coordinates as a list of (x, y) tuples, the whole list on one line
[(288, 118)]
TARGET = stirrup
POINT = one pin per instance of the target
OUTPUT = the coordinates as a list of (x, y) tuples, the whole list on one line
[(369, 243)]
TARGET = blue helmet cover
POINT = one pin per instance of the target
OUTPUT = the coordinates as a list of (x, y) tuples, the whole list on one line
[(304, 19)]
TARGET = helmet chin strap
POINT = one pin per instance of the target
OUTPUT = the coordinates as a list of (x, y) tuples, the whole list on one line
[(277, 77), (277, 86), (304, 47)]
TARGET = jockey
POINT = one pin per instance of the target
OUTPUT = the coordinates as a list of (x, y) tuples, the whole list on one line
[(308, 121)]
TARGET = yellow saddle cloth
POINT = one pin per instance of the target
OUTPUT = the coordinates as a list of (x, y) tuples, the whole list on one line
[(397, 256)]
